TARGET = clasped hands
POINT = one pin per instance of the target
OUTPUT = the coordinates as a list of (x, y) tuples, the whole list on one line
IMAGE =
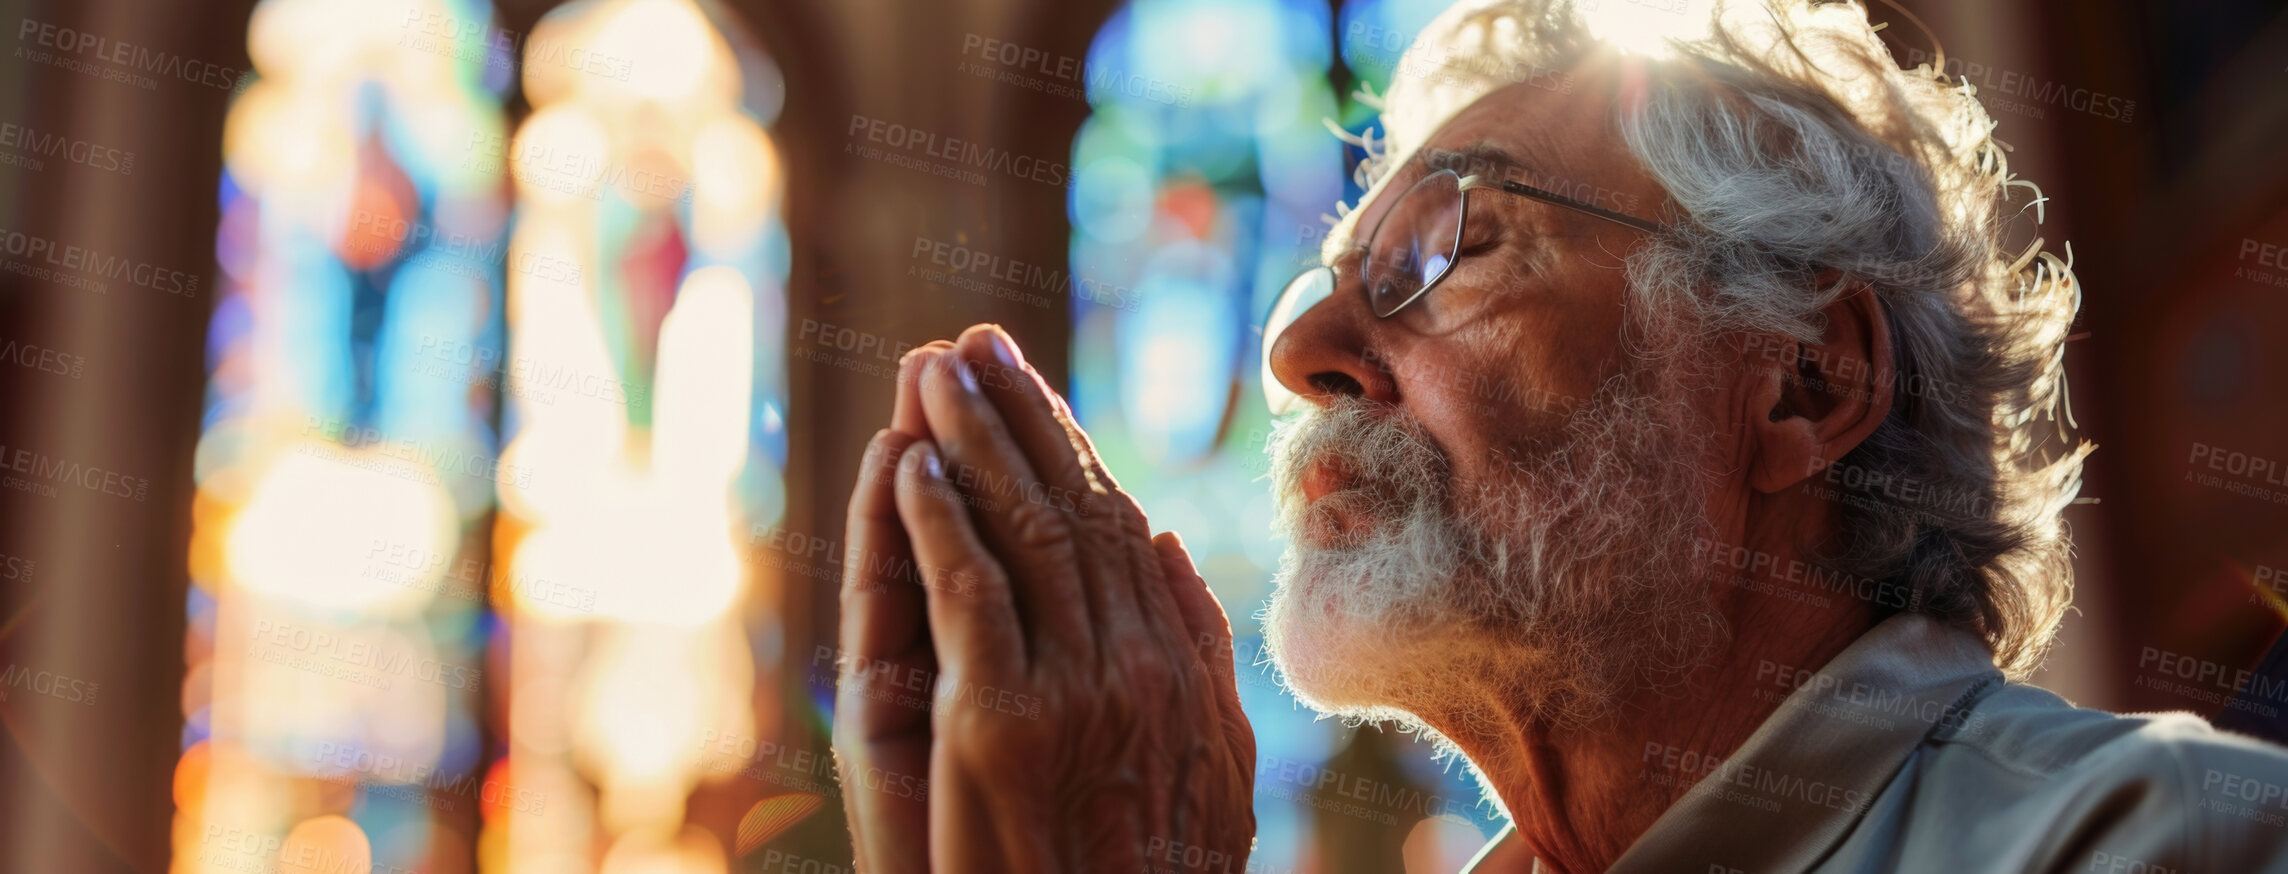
[(1082, 713)]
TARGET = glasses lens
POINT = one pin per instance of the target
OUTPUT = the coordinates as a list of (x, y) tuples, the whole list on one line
[(1301, 293), (1414, 243)]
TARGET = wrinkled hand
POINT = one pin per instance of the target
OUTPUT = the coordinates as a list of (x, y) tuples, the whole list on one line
[(1086, 715), (881, 707)]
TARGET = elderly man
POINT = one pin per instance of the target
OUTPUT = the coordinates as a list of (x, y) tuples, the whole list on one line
[(1666, 438)]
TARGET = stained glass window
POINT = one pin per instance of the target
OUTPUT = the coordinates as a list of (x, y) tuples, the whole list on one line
[(446, 607), (336, 647), (644, 384)]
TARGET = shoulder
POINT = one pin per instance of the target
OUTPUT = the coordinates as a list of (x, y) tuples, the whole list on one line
[(2162, 790), (2031, 730)]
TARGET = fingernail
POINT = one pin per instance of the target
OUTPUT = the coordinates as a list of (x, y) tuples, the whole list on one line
[(930, 463), (909, 365), (1005, 349), (963, 372)]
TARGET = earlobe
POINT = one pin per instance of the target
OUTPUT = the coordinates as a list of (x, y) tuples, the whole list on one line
[(1810, 404)]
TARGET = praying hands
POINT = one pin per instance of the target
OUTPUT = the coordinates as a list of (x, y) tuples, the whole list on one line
[(1084, 715)]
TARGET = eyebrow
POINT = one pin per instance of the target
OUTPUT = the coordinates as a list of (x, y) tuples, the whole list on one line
[(1483, 155)]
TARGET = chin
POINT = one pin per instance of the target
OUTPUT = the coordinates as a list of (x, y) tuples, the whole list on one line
[(1350, 646)]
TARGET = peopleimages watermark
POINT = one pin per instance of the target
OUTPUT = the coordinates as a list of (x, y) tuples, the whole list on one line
[(428, 570), (963, 266), (2109, 863), (370, 448), (1849, 376), (40, 473), (1164, 855), (30, 145), (1372, 48), (2244, 474), (91, 54), (347, 656), (2262, 255), (1062, 75), (475, 38), (18, 678), (1352, 795), (357, 764), (47, 260), (915, 144), (1748, 784), (260, 852), (1858, 485), (2270, 581), (2222, 790), (2210, 681), (1859, 702), (33, 356), (917, 688), (536, 163), (776, 861), (520, 376), (796, 769), (2004, 89), (1756, 570), (818, 558), (16, 568)]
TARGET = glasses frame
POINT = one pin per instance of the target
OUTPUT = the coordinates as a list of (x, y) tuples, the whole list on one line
[(1463, 186)]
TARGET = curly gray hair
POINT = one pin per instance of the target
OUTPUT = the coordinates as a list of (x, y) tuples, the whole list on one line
[(1794, 145)]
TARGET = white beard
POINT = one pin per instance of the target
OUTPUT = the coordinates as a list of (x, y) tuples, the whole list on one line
[(1550, 594)]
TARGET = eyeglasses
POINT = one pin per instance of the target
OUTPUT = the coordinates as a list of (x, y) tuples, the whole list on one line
[(1402, 266)]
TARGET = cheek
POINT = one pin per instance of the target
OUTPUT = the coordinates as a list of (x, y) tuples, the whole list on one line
[(1482, 415)]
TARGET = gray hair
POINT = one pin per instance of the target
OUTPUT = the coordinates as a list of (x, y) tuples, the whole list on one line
[(1793, 145)]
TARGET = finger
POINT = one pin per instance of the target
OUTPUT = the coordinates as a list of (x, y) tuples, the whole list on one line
[(1206, 624), (1089, 459), (971, 615), (906, 412), (1023, 399), (1111, 501), (1028, 410), (1111, 524), (885, 635), (883, 609), (1015, 515), (1210, 629)]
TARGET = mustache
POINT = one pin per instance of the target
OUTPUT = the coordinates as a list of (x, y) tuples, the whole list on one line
[(1388, 460)]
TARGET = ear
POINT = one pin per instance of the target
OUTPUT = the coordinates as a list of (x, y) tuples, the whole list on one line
[(1810, 404)]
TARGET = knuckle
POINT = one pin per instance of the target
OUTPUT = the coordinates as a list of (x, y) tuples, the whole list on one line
[(1036, 527), (1150, 675), (977, 735), (880, 447), (966, 575)]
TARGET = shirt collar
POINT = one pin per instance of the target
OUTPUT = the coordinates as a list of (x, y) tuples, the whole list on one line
[(1804, 778)]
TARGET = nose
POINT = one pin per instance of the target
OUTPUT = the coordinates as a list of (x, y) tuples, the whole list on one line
[(1333, 348)]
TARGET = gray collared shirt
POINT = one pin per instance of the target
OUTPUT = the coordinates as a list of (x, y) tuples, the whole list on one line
[(1908, 752)]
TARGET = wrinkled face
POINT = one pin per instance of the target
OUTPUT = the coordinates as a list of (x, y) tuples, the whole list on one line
[(1488, 488)]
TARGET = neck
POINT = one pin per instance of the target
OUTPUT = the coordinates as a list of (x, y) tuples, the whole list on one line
[(1580, 796)]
